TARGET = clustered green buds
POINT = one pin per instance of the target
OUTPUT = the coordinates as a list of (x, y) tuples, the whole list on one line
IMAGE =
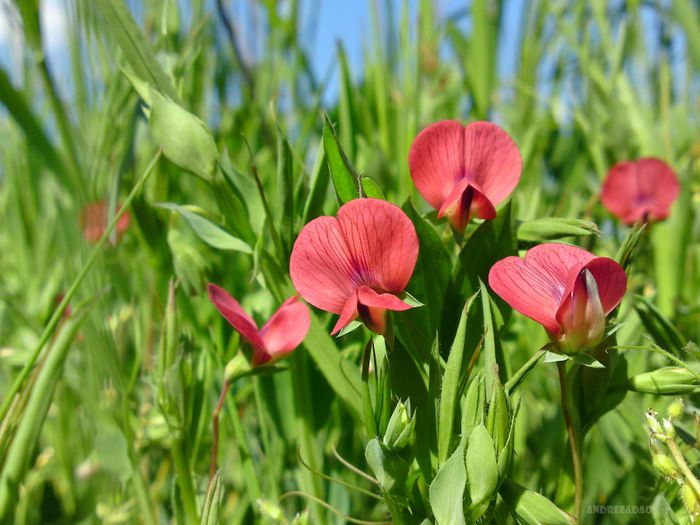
[(400, 431)]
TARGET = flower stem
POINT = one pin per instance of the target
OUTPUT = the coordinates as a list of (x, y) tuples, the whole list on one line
[(573, 441), (215, 429), (683, 466), (184, 481)]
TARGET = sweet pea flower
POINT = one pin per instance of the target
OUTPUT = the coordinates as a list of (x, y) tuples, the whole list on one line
[(285, 330), (358, 264), (93, 221), (566, 289), (464, 171), (643, 190)]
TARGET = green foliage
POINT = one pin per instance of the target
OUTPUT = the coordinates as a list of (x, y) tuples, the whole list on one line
[(112, 359)]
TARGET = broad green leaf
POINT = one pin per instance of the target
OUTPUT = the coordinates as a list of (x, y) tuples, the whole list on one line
[(345, 177), (473, 407), (664, 333), (449, 400), (531, 507), (447, 490), (210, 233), (285, 189), (389, 468), (185, 140), (482, 468)]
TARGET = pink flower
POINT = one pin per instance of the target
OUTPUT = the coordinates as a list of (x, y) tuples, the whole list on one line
[(464, 171), (284, 331), (93, 221), (357, 264), (640, 190), (566, 289)]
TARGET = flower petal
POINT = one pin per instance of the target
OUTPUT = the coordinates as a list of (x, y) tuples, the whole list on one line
[(285, 330), (321, 265), (464, 202), (372, 308), (382, 242), (436, 160), (234, 314), (491, 160), (635, 189), (535, 286), (348, 315), (611, 280)]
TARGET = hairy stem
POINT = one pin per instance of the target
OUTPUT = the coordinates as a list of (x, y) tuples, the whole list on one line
[(215, 429)]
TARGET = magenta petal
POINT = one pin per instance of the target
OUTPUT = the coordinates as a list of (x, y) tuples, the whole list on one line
[(284, 331), (581, 316), (491, 160), (234, 314), (382, 242), (535, 286), (436, 160), (321, 265), (464, 202), (368, 297), (348, 314)]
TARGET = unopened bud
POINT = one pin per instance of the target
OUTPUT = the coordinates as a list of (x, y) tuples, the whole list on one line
[(667, 381), (270, 510), (237, 367), (669, 429), (690, 500), (665, 465), (675, 409), (653, 423), (399, 431)]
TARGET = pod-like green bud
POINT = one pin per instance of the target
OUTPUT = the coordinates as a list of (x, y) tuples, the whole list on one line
[(400, 430), (667, 381)]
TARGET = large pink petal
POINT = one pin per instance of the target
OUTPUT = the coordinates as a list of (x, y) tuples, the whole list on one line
[(535, 286), (658, 186), (382, 242), (611, 280), (234, 314), (620, 192), (284, 331), (492, 160), (321, 265), (436, 160)]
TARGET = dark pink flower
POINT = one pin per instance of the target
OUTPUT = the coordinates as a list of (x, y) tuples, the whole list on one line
[(640, 190), (284, 331), (464, 171), (566, 289), (93, 221), (356, 264)]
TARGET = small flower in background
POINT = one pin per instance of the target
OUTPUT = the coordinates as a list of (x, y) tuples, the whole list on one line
[(464, 171), (280, 336), (640, 190), (357, 264), (93, 221), (566, 289)]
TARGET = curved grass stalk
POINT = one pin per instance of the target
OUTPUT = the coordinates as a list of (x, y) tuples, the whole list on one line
[(331, 508), (335, 480), (352, 467)]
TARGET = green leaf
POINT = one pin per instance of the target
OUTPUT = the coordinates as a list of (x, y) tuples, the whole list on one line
[(185, 140), (555, 228), (554, 357), (447, 490), (210, 233), (120, 25), (531, 507), (473, 406), (318, 186), (586, 360), (664, 333), (371, 189), (482, 468), (344, 175), (389, 468), (212, 501), (285, 189), (451, 387)]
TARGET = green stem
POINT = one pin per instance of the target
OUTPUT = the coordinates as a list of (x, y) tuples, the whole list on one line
[(215, 429), (518, 377), (573, 441), (683, 466), (58, 313), (142, 495), (184, 481)]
